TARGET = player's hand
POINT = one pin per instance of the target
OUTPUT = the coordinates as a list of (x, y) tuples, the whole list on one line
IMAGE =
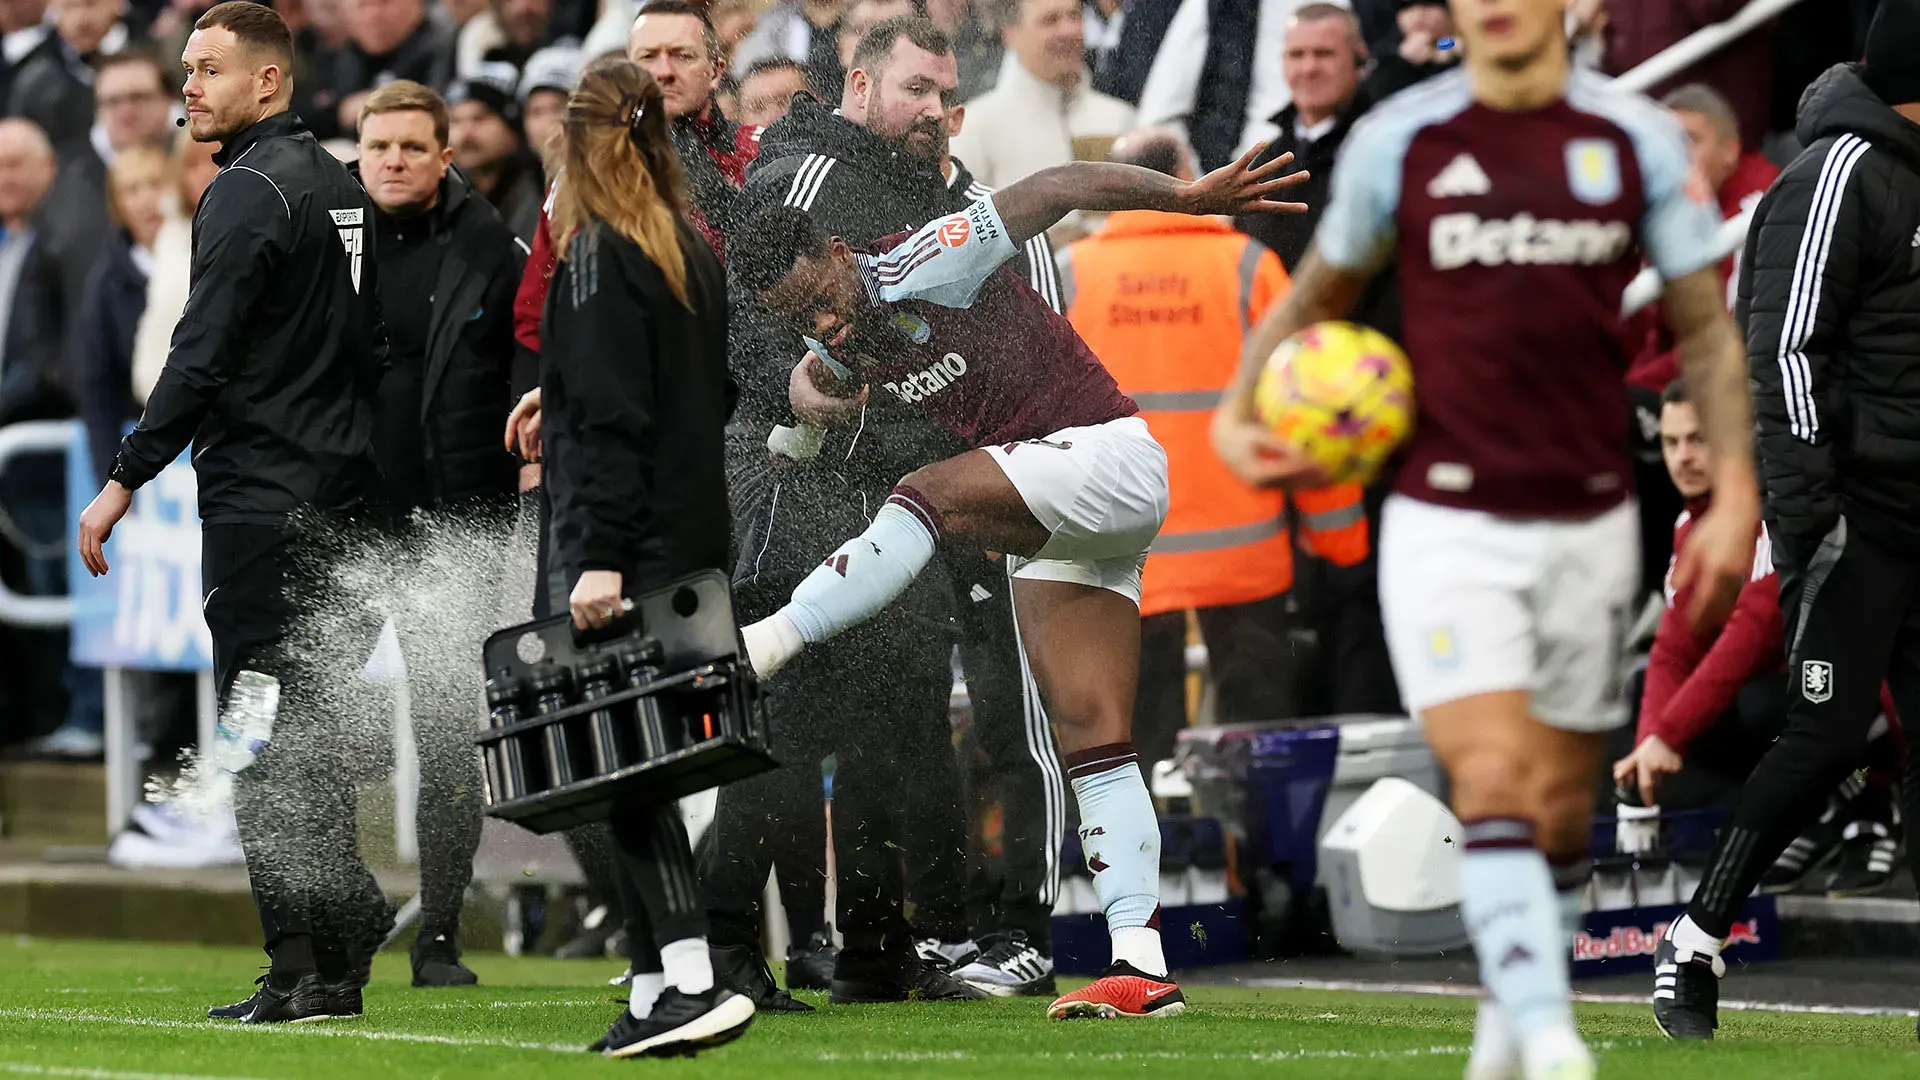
[(597, 599), (1242, 188), (1652, 761), (1260, 458), (819, 398), (1718, 557), (523, 427), (97, 522)]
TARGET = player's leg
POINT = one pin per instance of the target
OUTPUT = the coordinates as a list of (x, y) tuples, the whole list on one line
[(1852, 601), (440, 692), (966, 496), (1083, 641)]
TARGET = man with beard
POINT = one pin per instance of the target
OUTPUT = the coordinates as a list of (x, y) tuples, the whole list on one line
[(272, 377), (872, 169)]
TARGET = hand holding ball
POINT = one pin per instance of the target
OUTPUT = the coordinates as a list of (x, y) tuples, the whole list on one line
[(1341, 395)]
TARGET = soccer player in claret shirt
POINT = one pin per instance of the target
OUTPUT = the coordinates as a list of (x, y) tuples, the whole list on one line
[(1065, 480), (1516, 198)]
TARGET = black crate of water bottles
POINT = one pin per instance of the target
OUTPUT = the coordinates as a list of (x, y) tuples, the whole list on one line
[(658, 705)]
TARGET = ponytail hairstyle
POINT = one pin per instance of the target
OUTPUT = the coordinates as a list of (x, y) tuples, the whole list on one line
[(621, 169)]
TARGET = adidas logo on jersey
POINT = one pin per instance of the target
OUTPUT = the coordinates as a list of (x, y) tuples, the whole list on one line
[(1454, 240), (1462, 176), (929, 380)]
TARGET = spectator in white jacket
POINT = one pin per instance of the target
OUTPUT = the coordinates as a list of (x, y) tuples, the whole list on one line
[(1044, 110)]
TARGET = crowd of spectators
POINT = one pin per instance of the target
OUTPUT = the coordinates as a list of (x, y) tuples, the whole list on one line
[(97, 185)]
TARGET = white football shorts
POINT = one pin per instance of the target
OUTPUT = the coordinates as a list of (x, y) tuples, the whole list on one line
[(1475, 603), (1101, 491)]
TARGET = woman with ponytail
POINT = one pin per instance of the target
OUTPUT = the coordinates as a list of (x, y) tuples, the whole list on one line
[(635, 395)]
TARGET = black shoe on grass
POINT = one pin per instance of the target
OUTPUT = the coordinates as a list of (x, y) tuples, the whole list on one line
[(305, 1000), (681, 1025)]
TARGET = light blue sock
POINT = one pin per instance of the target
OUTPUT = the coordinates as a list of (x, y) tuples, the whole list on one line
[(1508, 902), (865, 574), (1121, 838)]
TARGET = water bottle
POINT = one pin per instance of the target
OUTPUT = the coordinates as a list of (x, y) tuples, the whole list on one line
[(641, 663), (246, 724), (549, 684), (612, 745), (506, 760)]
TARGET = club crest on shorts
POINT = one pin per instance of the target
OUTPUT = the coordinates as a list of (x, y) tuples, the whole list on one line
[(1816, 680), (1441, 650), (1593, 171)]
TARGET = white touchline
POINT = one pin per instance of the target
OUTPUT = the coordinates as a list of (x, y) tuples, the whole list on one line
[(344, 1029), (21, 1068), (1583, 997)]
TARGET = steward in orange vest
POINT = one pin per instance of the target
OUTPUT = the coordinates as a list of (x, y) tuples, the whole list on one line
[(1165, 300)]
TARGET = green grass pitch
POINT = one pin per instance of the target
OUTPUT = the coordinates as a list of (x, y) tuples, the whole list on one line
[(130, 1011)]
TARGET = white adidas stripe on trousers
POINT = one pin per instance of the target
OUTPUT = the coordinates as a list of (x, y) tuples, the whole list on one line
[(1046, 755), (1809, 276)]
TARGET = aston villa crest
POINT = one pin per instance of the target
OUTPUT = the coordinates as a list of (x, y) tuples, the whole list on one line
[(912, 327)]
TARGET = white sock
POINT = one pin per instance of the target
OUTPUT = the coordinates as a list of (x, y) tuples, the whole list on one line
[(688, 968), (867, 572), (1687, 936), (1507, 901), (643, 991), (1496, 1053), (771, 643), (1121, 838)]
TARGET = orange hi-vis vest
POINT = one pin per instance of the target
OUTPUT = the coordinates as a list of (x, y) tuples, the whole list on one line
[(1165, 301)]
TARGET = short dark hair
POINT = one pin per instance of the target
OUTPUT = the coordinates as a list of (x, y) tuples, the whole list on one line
[(1154, 148), (876, 45), (691, 10), (126, 57), (255, 26), (781, 236), (1675, 393)]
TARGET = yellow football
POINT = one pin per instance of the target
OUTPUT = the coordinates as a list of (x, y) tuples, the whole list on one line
[(1340, 393)]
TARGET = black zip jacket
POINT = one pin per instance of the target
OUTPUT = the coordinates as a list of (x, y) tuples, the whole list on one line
[(1829, 288), (466, 386), (275, 362), (859, 187), (636, 394)]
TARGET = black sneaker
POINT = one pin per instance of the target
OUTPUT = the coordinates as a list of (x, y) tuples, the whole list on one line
[(743, 970), (239, 1010), (343, 998), (1010, 966), (810, 966), (305, 1000), (1865, 862), (878, 980), (437, 963), (1686, 991), (1816, 846), (681, 1025)]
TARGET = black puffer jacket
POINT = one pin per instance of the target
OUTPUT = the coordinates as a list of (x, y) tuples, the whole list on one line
[(1829, 291)]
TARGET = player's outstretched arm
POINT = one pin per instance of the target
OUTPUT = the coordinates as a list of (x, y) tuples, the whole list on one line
[(1321, 291), (1719, 554), (1032, 206)]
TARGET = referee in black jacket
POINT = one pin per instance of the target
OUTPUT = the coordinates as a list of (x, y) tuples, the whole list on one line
[(272, 376), (1829, 285)]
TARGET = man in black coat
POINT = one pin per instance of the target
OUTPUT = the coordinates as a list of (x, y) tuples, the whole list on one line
[(53, 85), (448, 267), (385, 41), (272, 377), (1829, 277)]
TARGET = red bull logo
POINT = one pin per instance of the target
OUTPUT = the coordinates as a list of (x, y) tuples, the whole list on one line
[(1631, 941)]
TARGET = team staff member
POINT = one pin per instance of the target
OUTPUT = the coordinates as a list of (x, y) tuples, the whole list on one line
[(676, 44), (1164, 300), (448, 267), (1827, 277), (634, 374), (272, 376)]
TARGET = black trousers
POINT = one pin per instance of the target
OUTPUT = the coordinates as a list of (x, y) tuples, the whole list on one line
[(956, 892), (273, 603), (655, 873), (1249, 657), (874, 699), (1852, 620), (1715, 766)]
